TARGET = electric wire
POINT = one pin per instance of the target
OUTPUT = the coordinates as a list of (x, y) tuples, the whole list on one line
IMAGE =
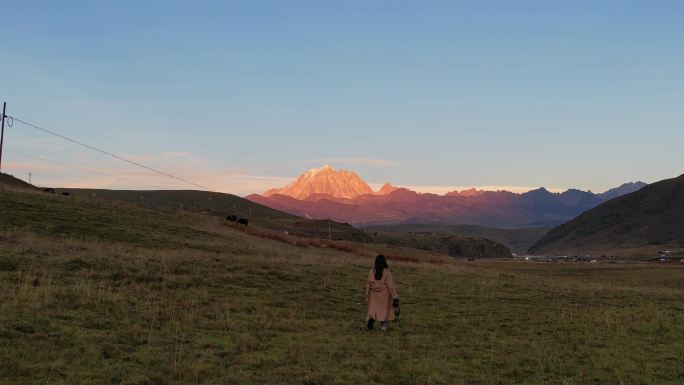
[(108, 153), (80, 168)]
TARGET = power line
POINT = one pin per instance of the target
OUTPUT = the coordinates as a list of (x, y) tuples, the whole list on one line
[(109, 153), (80, 168)]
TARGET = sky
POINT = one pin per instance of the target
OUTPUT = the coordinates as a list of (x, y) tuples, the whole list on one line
[(241, 96)]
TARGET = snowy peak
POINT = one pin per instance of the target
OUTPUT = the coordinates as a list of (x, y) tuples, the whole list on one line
[(326, 169), (324, 181)]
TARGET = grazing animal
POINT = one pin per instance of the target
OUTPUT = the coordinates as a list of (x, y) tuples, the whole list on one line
[(49, 190), (232, 218), (65, 193), (242, 221)]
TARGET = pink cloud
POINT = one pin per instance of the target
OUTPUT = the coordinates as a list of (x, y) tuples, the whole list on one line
[(357, 161)]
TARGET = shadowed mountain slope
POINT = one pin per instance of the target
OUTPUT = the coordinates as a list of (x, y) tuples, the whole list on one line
[(650, 217)]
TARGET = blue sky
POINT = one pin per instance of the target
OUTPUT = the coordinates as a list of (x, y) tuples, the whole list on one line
[(242, 96)]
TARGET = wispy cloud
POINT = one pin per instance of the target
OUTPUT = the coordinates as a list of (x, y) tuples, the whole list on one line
[(177, 154), (356, 161), (95, 172)]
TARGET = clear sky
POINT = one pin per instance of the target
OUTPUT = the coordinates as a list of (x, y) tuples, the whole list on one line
[(243, 95)]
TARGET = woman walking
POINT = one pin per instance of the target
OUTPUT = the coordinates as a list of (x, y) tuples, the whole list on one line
[(381, 295)]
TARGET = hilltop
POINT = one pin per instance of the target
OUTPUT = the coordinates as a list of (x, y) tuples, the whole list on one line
[(642, 222), (10, 180)]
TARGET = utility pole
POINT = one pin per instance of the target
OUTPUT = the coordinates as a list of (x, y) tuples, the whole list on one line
[(2, 131), (329, 233), (29, 174)]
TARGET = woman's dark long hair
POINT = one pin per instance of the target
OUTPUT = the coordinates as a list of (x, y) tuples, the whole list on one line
[(380, 265)]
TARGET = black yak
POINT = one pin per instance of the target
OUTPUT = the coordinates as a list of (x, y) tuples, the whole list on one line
[(243, 221)]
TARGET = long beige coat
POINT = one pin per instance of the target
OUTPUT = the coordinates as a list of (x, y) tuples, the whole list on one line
[(379, 296)]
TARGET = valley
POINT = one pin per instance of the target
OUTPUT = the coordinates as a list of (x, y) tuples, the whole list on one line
[(111, 292), (342, 193)]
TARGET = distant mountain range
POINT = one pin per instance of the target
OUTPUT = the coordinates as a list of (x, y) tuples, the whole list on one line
[(643, 222), (345, 197)]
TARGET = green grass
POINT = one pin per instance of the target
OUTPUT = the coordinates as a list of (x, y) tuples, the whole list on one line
[(448, 244), (221, 205), (116, 294), (170, 201), (517, 240), (99, 221)]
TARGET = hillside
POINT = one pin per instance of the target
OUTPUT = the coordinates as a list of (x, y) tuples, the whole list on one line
[(517, 240), (273, 222), (95, 291), (453, 245), (10, 180), (224, 204), (642, 222), (221, 204)]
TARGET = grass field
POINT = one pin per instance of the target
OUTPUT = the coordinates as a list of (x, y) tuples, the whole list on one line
[(219, 205), (110, 293), (517, 240)]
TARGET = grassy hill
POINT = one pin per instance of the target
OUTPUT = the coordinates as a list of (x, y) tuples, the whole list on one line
[(224, 204), (640, 223), (220, 204), (449, 244), (104, 292), (10, 180), (517, 240)]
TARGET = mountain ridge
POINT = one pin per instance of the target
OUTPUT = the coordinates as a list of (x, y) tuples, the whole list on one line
[(399, 205), (649, 217)]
